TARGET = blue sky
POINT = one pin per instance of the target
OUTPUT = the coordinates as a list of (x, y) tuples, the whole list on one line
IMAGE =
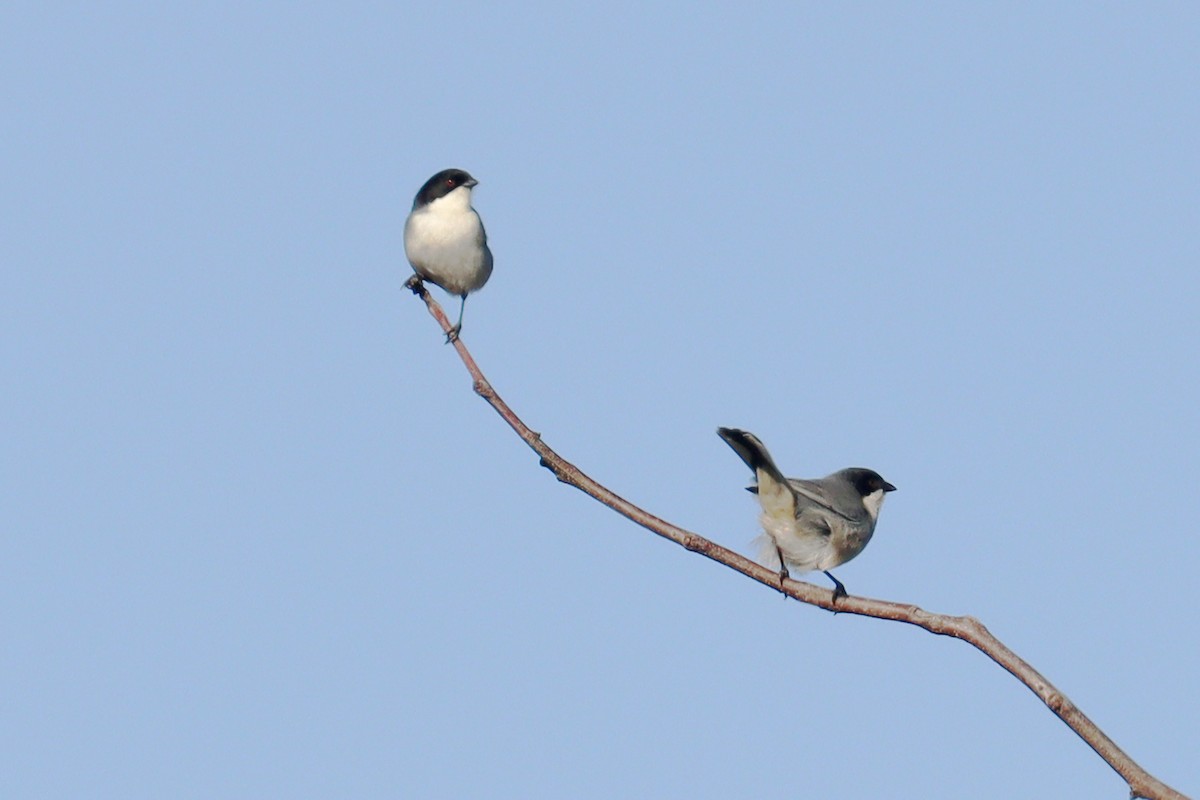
[(261, 539)]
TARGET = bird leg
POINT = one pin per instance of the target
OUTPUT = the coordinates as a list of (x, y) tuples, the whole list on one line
[(839, 590), (452, 336), (783, 571)]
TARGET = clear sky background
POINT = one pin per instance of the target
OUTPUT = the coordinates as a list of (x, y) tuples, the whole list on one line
[(258, 538)]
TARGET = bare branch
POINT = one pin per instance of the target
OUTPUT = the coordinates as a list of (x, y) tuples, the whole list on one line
[(1141, 783)]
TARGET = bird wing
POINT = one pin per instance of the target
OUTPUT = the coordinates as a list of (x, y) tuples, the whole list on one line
[(816, 494)]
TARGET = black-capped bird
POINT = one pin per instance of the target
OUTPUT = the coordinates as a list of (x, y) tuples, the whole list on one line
[(814, 524), (444, 238)]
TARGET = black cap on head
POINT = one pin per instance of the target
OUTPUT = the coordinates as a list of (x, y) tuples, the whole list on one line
[(442, 184), (867, 481)]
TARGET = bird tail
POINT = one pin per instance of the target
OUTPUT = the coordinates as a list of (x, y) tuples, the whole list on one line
[(774, 492)]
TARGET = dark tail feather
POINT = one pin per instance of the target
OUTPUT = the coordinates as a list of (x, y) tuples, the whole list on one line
[(751, 450), (775, 494)]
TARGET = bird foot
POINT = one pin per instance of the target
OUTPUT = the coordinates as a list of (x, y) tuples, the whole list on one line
[(838, 589)]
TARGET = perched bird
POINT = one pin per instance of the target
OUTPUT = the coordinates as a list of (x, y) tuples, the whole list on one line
[(444, 238), (810, 524)]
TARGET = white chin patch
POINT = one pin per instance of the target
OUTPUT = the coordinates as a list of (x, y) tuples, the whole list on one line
[(874, 502)]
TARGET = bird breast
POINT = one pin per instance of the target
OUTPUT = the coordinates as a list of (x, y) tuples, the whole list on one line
[(444, 242)]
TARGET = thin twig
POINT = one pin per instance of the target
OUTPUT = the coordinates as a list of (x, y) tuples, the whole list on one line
[(1141, 783)]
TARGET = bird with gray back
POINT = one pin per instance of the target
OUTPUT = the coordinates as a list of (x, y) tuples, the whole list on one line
[(810, 524)]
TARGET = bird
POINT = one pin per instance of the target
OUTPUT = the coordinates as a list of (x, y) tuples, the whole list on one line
[(444, 238), (814, 524)]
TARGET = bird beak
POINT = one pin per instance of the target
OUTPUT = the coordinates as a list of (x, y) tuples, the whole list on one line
[(471, 183), (887, 487)]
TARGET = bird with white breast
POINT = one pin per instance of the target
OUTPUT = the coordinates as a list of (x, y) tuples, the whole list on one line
[(444, 238)]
